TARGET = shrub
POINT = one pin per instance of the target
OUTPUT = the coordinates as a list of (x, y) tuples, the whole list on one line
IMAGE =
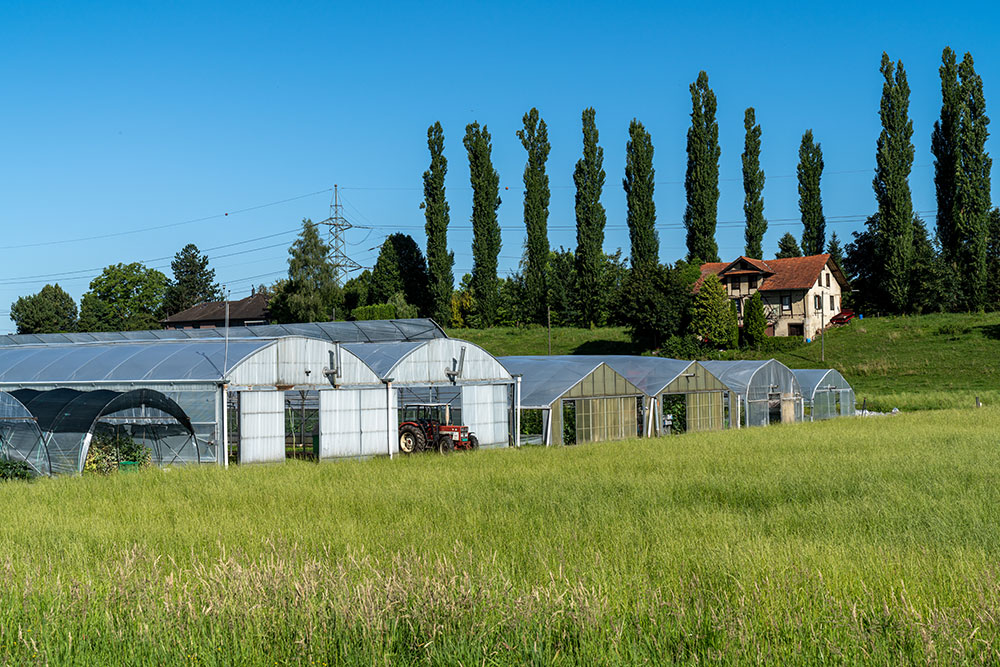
[(10, 470), (108, 450)]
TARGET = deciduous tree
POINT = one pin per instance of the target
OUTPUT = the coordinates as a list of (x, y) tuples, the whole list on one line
[(52, 310), (125, 297)]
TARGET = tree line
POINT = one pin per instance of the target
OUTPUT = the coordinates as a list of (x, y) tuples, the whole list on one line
[(894, 264)]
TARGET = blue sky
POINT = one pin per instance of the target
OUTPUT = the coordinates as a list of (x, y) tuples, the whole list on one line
[(121, 117)]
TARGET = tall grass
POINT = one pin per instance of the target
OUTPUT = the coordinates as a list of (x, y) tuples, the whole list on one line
[(854, 540)]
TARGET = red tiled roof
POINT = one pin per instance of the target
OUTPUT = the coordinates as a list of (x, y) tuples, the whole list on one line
[(710, 267), (253, 307), (786, 274), (758, 264)]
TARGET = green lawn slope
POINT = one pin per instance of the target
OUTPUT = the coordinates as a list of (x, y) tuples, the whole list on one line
[(853, 541)]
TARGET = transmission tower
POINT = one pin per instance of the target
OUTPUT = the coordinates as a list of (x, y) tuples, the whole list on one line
[(338, 225)]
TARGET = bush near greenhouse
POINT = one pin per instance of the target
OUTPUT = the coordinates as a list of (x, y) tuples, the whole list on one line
[(10, 470), (109, 450)]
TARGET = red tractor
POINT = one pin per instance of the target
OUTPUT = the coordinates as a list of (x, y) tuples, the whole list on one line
[(427, 426)]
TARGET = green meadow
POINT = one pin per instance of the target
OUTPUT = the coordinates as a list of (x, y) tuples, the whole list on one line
[(850, 541)]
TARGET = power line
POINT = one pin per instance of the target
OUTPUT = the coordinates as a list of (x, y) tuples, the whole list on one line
[(166, 226)]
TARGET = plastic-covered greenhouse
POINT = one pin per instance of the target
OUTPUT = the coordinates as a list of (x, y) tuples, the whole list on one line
[(764, 392), (192, 399), (825, 394), (686, 391), (580, 399)]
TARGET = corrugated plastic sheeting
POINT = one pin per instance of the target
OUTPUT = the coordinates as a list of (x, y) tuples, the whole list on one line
[(381, 357), (262, 426), (484, 411), (131, 362), (20, 437), (650, 374), (546, 379), (355, 422), (337, 332), (826, 393)]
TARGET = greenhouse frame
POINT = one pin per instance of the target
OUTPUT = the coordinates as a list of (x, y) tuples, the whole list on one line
[(826, 394), (763, 392), (178, 394), (602, 403)]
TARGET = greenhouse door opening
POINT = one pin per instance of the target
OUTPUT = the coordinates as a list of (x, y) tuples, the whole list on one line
[(302, 425)]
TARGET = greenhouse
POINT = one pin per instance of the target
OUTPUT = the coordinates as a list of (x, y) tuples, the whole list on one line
[(825, 394), (575, 399), (194, 400), (762, 392)]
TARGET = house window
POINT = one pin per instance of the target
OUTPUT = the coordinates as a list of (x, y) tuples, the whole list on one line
[(828, 280), (753, 282), (817, 302), (739, 307), (786, 303), (833, 304)]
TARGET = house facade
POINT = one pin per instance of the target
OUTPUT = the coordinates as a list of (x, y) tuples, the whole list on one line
[(800, 294)]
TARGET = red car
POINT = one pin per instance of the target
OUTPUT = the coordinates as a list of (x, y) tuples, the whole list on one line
[(843, 317)]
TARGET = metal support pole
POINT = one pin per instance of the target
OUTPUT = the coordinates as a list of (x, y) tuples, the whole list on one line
[(390, 427), (548, 427), (222, 415), (517, 411)]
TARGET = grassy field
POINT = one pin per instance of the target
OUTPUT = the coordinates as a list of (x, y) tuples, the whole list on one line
[(505, 341), (913, 363), (857, 540)]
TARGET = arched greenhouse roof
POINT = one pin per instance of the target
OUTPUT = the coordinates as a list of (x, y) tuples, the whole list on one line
[(159, 361), (752, 379), (546, 379), (366, 331), (652, 375), (430, 361), (813, 380)]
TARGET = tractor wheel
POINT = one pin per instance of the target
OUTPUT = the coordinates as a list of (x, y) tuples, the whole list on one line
[(410, 440), (445, 444), (473, 442)]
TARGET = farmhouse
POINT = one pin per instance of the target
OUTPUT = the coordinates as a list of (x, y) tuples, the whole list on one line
[(800, 294)]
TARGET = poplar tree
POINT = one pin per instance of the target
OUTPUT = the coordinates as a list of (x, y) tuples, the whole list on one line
[(590, 219), (973, 192), (894, 159), (535, 139), (485, 228), (639, 185), (701, 182), (944, 146), (753, 187), (436, 214), (810, 171)]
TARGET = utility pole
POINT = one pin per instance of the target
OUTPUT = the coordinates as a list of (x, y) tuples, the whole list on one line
[(338, 226)]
